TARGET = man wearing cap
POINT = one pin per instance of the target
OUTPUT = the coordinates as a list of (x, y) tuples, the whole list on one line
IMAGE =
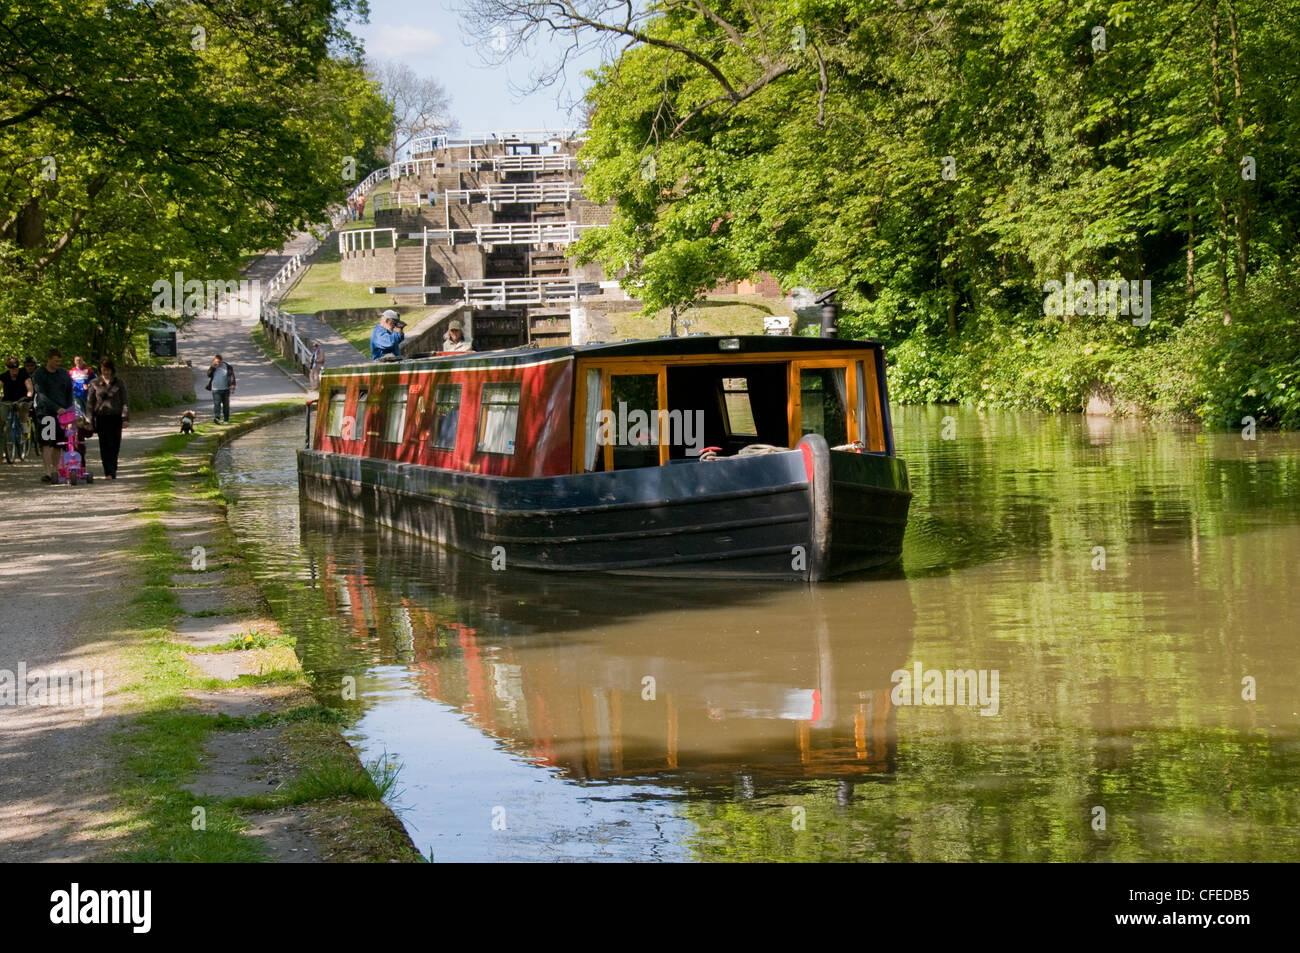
[(455, 339), (387, 337)]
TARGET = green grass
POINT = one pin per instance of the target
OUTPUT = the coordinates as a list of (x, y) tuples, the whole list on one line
[(273, 355), (724, 314), (368, 219), (257, 639), (322, 288), (162, 746), (357, 333)]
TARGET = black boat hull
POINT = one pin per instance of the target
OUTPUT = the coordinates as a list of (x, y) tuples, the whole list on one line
[(805, 514)]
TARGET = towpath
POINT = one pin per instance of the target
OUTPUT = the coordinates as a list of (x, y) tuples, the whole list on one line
[(64, 582)]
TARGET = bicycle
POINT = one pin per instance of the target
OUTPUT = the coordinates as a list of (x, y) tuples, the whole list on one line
[(17, 432)]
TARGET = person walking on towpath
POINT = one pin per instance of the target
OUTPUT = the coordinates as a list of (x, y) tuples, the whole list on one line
[(15, 392), (106, 405), (387, 337), (221, 381), (82, 374), (317, 364), (52, 387)]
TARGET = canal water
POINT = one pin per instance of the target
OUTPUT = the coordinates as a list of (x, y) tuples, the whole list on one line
[(1116, 602)]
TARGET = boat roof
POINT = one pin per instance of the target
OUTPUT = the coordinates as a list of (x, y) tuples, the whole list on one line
[(649, 347)]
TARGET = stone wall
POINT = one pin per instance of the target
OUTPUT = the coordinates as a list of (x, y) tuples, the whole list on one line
[(425, 336), (158, 386), (372, 266), (452, 264)]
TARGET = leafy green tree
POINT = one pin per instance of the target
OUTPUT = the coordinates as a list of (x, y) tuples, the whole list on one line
[(940, 162), (144, 139)]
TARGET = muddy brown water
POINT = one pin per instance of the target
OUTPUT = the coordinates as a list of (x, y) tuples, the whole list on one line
[(1115, 601)]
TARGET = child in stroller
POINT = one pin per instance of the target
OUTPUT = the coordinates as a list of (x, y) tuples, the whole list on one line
[(72, 463)]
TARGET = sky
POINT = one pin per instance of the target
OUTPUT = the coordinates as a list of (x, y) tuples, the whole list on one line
[(428, 36)]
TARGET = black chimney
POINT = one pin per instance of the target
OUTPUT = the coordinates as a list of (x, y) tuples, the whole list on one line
[(830, 314)]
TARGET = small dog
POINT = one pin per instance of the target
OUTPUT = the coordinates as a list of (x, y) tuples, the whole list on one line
[(187, 422)]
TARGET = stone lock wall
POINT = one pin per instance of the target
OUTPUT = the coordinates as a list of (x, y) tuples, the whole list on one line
[(158, 386), (376, 266)]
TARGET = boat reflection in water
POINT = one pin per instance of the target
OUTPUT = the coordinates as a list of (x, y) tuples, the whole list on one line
[(665, 683)]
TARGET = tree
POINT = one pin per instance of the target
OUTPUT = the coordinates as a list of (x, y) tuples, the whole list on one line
[(420, 104), (145, 139)]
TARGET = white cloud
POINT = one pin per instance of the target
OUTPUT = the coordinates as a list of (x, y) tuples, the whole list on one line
[(405, 42)]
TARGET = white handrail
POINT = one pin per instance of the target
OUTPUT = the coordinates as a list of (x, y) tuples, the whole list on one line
[(521, 193), (283, 279), (514, 137), (287, 324), (512, 233), (354, 239), (547, 163), (410, 167), (390, 200), (500, 292)]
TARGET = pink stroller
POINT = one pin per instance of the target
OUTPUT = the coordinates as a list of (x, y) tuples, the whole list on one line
[(72, 464)]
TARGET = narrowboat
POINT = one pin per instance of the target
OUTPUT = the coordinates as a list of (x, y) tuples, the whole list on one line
[(753, 456)]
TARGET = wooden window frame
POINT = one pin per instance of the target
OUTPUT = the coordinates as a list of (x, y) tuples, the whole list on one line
[(794, 389), (622, 367), (845, 360)]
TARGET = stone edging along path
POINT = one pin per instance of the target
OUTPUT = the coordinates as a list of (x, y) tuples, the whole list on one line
[(264, 772)]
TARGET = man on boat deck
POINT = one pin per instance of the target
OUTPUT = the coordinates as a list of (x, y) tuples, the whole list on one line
[(387, 337), (454, 339)]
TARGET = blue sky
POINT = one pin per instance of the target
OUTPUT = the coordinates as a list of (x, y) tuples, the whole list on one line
[(429, 38)]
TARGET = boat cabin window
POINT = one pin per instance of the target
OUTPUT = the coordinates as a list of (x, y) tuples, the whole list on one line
[(634, 402), (740, 415), (639, 413), (446, 416), (359, 418), (824, 401), (728, 406), (498, 418), (395, 419), (334, 419)]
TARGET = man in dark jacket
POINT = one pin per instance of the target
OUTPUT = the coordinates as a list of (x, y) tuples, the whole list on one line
[(52, 395), (221, 381)]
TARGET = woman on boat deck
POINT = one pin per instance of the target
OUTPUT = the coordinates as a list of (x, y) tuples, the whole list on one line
[(455, 340)]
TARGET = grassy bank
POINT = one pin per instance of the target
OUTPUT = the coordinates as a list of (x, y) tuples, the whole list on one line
[(358, 332), (272, 354), (162, 748)]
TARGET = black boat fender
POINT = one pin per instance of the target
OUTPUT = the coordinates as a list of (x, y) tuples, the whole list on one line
[(817, 464)]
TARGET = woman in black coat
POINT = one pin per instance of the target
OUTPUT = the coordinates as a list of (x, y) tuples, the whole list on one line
[(106, 405)]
